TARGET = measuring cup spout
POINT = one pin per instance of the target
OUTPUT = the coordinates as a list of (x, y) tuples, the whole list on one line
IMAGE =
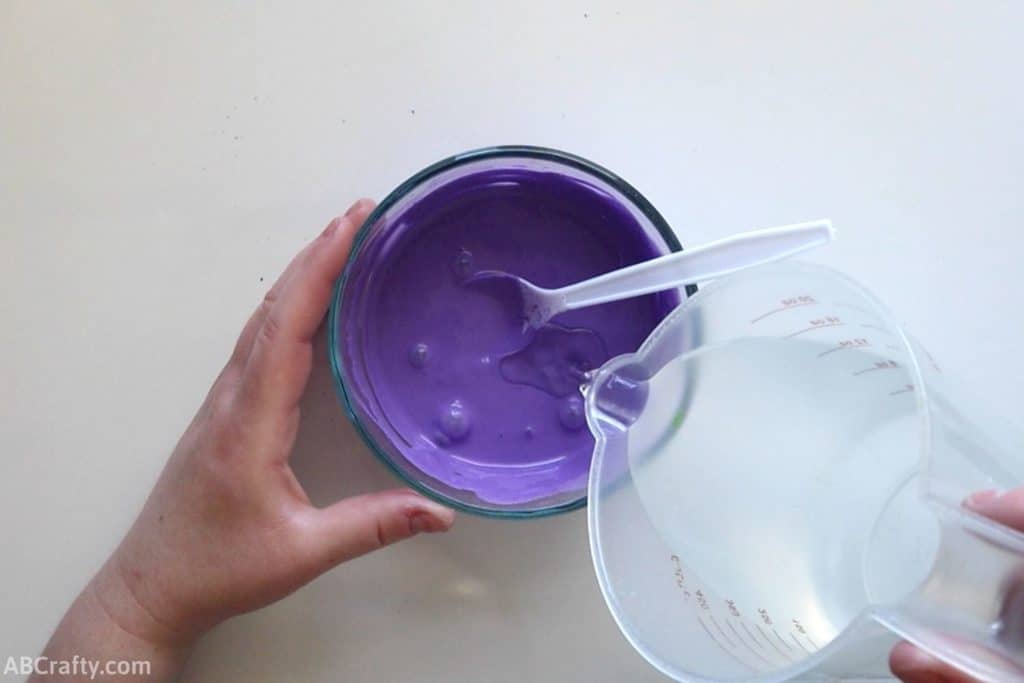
[(970, 610), (619, 396)]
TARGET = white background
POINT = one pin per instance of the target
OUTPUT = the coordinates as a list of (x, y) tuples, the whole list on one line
[(161, 162)]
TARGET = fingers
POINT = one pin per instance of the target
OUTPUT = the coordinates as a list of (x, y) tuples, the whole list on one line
[(281, 332), (913, 665), (306, 294), (1006, 508), (358, 525), (244, 346), (910, 663)]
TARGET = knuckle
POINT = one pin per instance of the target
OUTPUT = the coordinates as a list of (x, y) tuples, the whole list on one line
[(382, 537), (223, 403), (270, 331)]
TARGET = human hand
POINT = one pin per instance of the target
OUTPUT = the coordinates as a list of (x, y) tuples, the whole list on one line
[(228, 528), (913, 665)]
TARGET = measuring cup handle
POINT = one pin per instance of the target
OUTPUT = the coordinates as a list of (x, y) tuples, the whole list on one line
[(970, 610)]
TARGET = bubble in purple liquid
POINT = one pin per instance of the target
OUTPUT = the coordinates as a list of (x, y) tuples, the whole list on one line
[(418, 355), (455, 421), (571, 414), (463, 264)]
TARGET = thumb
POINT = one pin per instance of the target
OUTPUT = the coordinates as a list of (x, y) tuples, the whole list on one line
[(361, 524)]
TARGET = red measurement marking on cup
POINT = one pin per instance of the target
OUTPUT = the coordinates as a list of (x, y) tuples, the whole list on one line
[(768, 621), (746, 644), (858, 342), (717, 642), (781, 639), (797, 641), (704, 616), (718, 626), (799, 628), (771, 642), (678, 573), (730, 605), (880, 365), (817, 324), (752, 636), (905, 389), (786, 304), (680, 577)]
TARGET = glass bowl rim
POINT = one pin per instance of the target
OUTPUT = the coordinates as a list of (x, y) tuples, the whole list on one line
[(393, 197)]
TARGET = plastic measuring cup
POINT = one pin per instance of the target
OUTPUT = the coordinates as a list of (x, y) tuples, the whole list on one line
[(776, 491)]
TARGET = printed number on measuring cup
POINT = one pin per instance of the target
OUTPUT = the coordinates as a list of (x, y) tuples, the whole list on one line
[(817, 324), (680, 577), (678, 573), (731, 606), (764, 616), (786, 304), (853, 343)]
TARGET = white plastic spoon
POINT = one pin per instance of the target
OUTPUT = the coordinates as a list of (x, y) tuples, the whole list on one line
[(712, 260)]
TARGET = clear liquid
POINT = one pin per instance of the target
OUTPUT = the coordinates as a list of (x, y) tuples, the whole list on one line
[(786, 487)]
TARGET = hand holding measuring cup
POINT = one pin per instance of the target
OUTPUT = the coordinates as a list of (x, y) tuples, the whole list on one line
[(843, 529), (913, 665)]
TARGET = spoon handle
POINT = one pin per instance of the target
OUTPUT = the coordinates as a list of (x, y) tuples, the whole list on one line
[(700, 263)]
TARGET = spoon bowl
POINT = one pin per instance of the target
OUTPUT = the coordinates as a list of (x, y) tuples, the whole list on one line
[(532, 306)]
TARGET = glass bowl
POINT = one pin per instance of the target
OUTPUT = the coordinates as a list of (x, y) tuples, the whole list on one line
[(346, 343)]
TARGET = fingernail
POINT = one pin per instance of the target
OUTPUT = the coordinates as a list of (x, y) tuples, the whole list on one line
[(431, 518), (427, 523), (982, 498), (913, 664)]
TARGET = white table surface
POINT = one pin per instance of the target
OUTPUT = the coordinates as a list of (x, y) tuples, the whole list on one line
[(161, 162)]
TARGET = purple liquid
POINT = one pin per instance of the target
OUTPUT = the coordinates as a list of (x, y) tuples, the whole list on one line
[(474, 403)]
